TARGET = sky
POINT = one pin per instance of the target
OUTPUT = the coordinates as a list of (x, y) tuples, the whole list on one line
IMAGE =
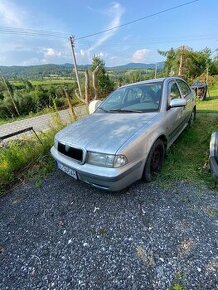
[(194, 25)]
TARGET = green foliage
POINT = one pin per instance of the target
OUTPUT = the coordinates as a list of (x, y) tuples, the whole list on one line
[(194, 62), (104, 83), (37, 72), (97, 61), (32, 97), (171, 63), (133, 76)]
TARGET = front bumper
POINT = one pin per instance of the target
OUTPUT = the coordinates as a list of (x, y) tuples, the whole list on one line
[(111, 179)]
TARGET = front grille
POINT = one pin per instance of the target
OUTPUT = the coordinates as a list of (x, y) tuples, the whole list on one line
[(74, 153)]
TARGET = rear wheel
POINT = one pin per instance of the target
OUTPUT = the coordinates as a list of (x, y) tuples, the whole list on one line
[(154, 161)]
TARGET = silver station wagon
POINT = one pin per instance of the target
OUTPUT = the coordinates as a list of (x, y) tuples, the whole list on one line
[(126, 138)]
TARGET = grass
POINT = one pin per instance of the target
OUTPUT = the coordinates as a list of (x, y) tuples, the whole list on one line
[(210, 105), (47, 82), (178, 282), (187, 159), (18, 157), (24, 158), (53, 82)]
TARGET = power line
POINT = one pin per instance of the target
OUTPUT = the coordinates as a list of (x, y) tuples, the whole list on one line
[(32, 32), (56, 34), (147, 42), (137, 20)]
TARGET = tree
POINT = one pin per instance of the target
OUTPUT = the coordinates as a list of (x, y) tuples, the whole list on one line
[(186, 62), (171, 62), (104, 85), (98, 85), (213, 67)]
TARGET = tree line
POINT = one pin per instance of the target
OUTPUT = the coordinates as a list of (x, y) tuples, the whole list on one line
[(22, 97)]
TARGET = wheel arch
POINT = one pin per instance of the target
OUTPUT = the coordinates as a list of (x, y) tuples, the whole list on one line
[(146, 174), (164, 139)]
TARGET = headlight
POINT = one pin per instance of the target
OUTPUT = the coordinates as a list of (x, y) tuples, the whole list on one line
[(106, 160)]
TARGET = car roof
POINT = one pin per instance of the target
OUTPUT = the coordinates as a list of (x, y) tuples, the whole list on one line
[(152, 81)]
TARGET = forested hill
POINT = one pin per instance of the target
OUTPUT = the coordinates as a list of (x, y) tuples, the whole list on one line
[(39, 72)]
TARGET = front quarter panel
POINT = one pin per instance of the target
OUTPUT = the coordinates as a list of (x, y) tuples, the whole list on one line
[(136, 149)]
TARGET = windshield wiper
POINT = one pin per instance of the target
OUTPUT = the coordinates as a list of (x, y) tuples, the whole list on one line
[(103, 109), (125, 111)]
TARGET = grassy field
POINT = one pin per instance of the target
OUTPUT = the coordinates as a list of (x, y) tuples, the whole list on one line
[(46, 82), (187, 159), (17, 158), (53, 82), (210, 105)]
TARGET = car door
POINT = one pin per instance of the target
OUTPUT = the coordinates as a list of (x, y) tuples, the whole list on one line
[(175, 116), (186, 93)]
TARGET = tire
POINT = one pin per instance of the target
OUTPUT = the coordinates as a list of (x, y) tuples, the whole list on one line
[(192, 117), (154, 161)]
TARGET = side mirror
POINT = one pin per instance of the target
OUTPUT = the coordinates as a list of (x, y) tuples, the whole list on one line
[(177, 103), (94, 105)]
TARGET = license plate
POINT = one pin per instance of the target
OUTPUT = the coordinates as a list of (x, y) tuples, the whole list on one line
[(67, 170)]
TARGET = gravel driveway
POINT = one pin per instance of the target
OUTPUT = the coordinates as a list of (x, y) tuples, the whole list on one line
[(67, 235)]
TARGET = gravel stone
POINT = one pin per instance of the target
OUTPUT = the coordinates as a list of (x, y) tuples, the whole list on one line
[(68, 235)]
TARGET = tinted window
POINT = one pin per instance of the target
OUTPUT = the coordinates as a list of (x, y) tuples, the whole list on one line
[(185, 90)]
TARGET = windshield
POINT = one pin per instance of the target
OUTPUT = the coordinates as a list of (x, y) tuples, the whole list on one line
[(139, 98)]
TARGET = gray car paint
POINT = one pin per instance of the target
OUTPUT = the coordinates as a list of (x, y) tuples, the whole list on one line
[(131, 134)]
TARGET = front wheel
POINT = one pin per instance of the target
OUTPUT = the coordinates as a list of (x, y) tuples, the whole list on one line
[(154, 161)]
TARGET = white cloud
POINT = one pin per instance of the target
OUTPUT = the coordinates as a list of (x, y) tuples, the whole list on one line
[(139, 55), (82, 52), (116, 11), (11, 14), (51, 52)]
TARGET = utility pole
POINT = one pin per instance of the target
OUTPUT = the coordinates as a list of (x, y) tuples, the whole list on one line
[(10, 94), (71, 39), (155, 71), (207, 74), (181, 62)]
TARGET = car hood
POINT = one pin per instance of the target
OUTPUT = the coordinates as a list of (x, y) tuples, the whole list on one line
[(104, 132)]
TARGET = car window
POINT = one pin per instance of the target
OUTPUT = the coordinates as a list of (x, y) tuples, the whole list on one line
[(116, 98), (184, 88), (134, 94), (141, 97), (174, 92)]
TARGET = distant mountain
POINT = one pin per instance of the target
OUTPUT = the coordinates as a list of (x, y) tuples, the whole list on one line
[(38, 72), (35, 72), (133, 65)]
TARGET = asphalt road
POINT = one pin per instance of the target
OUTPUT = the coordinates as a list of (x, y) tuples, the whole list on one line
[(40, 123), (68, 235)]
